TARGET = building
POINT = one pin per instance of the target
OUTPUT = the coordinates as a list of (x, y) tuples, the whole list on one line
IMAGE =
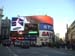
[(38, 29), (57, 37), (70, 35), (5, 28), (1, 15), (45, 28), (70, 32)]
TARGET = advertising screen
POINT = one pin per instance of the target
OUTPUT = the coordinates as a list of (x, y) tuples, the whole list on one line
[(17, 24), (43, 26), (31, 29), (40, 19)]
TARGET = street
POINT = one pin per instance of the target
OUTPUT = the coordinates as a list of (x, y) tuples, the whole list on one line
[(34, 51)]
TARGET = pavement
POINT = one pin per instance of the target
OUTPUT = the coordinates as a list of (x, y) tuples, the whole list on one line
[(35, 51)]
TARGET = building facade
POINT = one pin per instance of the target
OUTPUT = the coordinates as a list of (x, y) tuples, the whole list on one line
[(70, 35), (71, 32), (1, 15), (45, 28), (38, 29), (5, 31)]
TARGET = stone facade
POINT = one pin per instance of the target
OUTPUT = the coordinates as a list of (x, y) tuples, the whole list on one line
[(70, 35), (5, 31), (1, 15)]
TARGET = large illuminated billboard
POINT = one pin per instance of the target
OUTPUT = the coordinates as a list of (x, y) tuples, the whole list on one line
[(43, 26), (40, 19), (31, 29), (17, 24)]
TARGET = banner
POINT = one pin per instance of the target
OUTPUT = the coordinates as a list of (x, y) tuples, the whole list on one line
[(17, 24)]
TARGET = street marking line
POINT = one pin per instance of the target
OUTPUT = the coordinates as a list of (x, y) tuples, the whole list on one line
[(11, 52)]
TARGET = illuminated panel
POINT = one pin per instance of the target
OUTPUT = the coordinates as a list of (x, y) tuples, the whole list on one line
[(17, 24), (43, 26), (31, 29), (40, 19), (33, 32), (45, 33)]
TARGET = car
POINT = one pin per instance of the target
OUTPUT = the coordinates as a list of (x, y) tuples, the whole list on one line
[(17, 43), (25, 44), (6, 42)]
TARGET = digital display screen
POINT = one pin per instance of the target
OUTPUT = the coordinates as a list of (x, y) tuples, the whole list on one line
[(43, 26), (45, 33), (14, 18), (17, 24), (31, 29)]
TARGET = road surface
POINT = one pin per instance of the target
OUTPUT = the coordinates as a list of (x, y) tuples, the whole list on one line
[(34, 51)]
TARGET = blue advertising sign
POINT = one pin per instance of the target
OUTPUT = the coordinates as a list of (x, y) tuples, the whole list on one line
[(43, 26)]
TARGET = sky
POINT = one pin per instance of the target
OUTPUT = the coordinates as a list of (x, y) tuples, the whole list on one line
[(62, 11)]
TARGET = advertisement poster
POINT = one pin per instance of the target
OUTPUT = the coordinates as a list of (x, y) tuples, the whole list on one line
[(17, 24), (43, 26)]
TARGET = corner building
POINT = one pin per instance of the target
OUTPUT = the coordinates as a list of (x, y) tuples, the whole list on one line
[(1, 15), (45, 29)]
